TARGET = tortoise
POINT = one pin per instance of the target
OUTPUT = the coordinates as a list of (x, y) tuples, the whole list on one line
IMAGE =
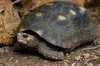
[(56, 28)]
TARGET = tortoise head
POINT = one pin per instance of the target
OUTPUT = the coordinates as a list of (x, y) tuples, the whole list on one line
[(25, 39)]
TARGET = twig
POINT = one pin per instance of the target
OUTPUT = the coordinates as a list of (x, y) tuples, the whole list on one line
[(74, 64), (96, 47), (15, 2), (88, 60)]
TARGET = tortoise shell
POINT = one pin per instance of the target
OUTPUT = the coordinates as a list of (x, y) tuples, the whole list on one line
[(61, 23)]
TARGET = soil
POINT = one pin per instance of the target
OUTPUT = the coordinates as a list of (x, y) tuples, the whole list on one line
[(78, 57)]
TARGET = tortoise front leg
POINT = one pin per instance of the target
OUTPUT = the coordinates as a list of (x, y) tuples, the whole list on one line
[(48, 52)]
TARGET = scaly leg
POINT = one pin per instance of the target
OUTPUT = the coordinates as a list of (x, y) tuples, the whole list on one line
[(48, 52)]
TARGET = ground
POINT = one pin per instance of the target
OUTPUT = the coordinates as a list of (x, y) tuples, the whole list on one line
[(78, 57)]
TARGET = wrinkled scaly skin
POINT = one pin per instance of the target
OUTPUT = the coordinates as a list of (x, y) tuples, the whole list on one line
[(58, 27)]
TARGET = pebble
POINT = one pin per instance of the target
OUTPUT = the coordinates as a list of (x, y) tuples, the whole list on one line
[(4, 49), (90, 64), (86, 55), (45, 61), (78, 58), (1, 50), (45, 65), (66, 64)]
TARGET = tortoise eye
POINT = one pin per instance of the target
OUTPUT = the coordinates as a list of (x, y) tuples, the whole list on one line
[(25, 36)]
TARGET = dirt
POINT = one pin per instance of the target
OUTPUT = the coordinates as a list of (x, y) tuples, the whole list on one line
[(78, 57)]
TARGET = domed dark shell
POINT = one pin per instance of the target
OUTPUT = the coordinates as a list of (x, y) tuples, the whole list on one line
[(61, 23)]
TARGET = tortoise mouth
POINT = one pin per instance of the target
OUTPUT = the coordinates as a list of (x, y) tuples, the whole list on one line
[(22, 42)]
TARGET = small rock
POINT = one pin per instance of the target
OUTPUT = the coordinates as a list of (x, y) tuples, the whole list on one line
[(67, 54), (90, 64), (1, 50), (78, 58), (6, 49), (86, 55), (16, 61), (72, 52), (45, 65), (45, 61), (66, 64), (66, 60)]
